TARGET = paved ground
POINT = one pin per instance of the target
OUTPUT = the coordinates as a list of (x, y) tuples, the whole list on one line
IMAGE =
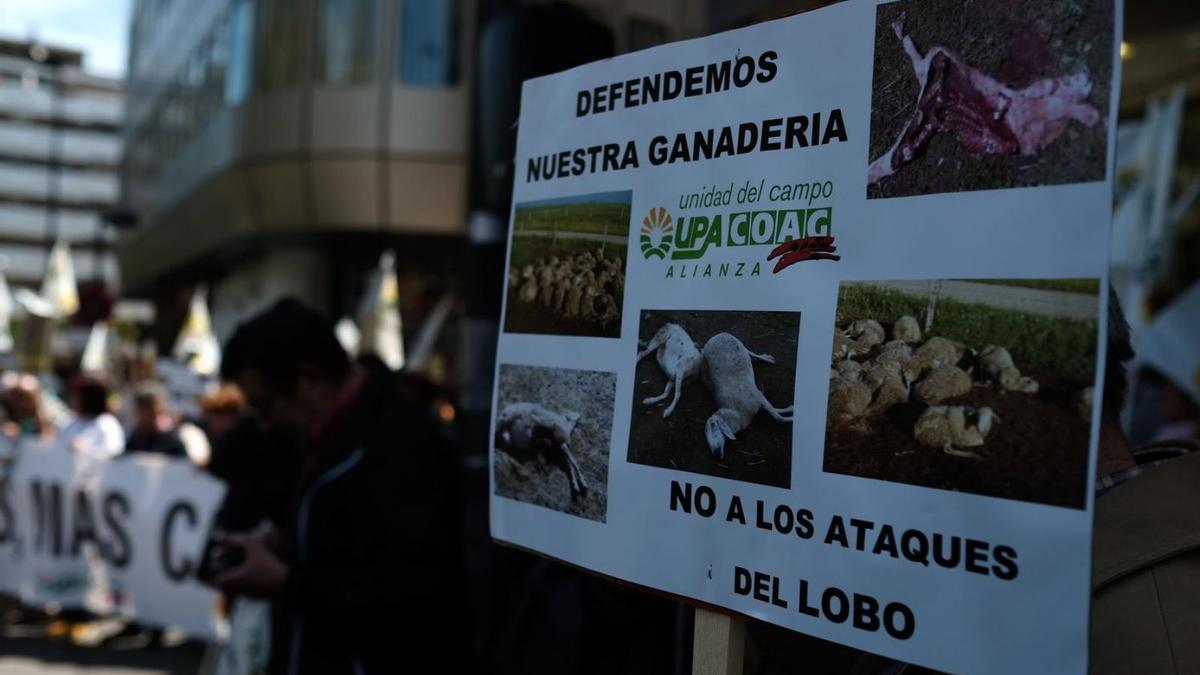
[(40, 656), (1031, 300)]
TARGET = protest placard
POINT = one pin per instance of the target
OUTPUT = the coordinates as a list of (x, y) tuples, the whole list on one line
[(805, 320), (120, 537)]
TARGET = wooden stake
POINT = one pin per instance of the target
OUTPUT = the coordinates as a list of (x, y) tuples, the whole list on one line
[(935, 289), (718, 643)]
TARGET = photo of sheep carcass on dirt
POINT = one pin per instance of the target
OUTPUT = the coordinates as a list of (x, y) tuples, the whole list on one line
[(958, 104), (553, 431), (974, 386), (713, 393), (566, 275)]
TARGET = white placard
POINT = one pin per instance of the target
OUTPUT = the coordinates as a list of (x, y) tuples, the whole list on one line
[(115, 537), (884, 434)]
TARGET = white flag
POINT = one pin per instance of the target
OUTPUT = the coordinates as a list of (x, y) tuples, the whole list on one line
[(1169, 343), (382, 330), (6, 312), (196, 345), (95, 352), (58, 288), (348, 334)]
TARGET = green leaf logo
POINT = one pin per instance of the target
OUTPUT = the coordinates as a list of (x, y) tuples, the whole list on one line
[(656, 227)]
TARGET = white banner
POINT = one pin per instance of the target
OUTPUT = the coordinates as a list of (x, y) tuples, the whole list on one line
[(804, 320), (116, 537)]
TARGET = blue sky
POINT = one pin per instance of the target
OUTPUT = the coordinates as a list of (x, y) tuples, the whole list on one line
[(98, 28)]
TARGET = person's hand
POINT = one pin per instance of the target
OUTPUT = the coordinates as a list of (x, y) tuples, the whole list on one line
[(261, 573), (267, 534)]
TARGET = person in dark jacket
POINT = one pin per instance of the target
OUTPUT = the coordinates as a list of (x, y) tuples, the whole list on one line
[(259, 465), (373, 531), (154, 429)]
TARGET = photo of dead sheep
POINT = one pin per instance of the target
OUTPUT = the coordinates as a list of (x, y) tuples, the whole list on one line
[(968, 385), (566, 274), (713, 393), (553, 431), (958, 104)]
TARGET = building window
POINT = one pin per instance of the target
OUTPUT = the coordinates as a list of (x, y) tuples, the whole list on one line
[(218, 62), (428, 49), (241, 52), (278, 55), (347, 40)]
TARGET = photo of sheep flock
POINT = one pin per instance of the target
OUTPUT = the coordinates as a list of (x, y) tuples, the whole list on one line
[(974, 386), (566, 274), (958, 105), (553, 431), (713, 393)]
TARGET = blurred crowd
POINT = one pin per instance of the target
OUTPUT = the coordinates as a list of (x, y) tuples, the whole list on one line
[(347, 498), (88, 416)]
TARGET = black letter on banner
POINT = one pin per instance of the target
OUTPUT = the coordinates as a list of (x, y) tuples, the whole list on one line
[(185, 568), (1006, 563), (836, 532), (741, 580), (836, 129), (681, 497), (116, 508), (735, 511), (47, 507), (8, 525), (893, 626), (766, 64), (742, 77), (83, 523), (718, 77), (706, 501)]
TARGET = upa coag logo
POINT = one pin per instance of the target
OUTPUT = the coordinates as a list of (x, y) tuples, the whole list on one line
[(656, 233), (716, 230)]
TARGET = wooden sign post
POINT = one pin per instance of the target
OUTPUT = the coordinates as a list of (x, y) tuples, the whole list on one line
[(718, 643)]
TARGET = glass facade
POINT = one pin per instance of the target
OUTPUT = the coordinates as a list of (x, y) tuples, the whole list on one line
[(279, 46), (219, 72), (428, 46), (260, 46), (241, 51), (346, 40)]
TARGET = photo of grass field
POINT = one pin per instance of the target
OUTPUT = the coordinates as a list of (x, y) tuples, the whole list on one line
[(980, 386), (566, 273)]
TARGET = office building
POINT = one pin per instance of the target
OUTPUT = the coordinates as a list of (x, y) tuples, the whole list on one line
[(279, 146), (60, 147)]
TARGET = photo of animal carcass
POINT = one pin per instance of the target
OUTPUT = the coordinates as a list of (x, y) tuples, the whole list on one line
[(980, 386), (553, 428), (712, 393), (958, 105), (566, 271)]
